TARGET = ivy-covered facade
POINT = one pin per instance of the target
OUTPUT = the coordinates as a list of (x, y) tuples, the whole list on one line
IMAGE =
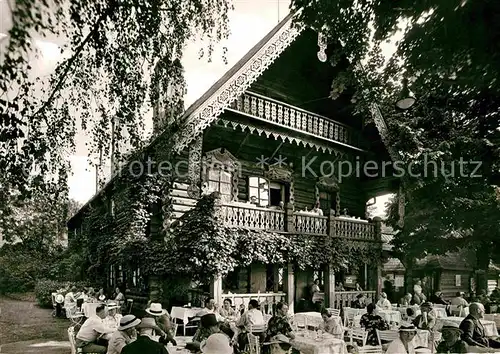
[(228, 194)]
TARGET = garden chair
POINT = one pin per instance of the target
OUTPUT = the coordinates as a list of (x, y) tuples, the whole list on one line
[(368, 349), (387, 336), (358, 335), (253, 343), (334, 312)]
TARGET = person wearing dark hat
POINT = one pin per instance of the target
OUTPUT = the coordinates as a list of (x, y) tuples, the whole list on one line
[(208, 326), (359, 303), (451, 340), (125, 334), (403, 344), (427, 318), (145, 342)]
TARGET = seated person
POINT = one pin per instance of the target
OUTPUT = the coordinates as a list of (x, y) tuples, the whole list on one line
[(89, 336), (112, 320), (406, 300), (383, 303), (252, 317), (210, 307), (451, 340), (371, 322), (162, 320), (359, 303), (330, 324), (459, 302), (144, 342), (473, 330), (279, 324), (279, 344), (217, 343), (125, 334), (427, 318), (437, 298), (226, 310), (410, 313), (70, 302), (404, 344), (208, 326)]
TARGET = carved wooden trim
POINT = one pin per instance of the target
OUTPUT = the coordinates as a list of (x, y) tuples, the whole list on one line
[(223, 159), (214, 105), (279, 174), (194, 167)]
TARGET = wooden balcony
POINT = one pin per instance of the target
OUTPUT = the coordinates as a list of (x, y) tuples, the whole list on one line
[(246, 215), (297, 119)]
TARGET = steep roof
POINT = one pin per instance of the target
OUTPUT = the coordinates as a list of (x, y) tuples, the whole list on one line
[(233, 84)]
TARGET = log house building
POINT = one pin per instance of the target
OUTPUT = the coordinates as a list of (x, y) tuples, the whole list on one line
[(270, 118)]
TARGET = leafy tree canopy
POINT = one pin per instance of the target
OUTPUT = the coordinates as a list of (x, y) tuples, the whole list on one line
[(118, 53), (449, 52)]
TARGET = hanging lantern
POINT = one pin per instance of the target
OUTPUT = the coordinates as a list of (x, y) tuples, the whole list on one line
[(406, 98)]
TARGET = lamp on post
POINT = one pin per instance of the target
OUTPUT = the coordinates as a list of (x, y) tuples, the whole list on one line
[(406, 98)]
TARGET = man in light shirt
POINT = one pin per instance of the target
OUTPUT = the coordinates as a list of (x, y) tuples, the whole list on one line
[(383, 303), (89, 336), (211, 308), (250, 319), (112, 320)]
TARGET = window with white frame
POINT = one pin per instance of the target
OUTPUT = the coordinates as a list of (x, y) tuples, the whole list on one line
[(220, 180), (258, 191)]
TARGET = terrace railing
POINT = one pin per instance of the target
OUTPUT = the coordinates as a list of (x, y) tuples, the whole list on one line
[(310, 224), (285, 115)]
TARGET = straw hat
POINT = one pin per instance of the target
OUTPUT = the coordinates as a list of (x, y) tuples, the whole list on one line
[(217, 343), (407, 327), (149, 323), (102, 297), (451, 326), (112, 306), (59, 298), (155, 309), (279, 339), (128, 321)]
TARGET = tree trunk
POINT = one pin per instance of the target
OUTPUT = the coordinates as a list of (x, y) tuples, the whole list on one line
[(483, 263), (409, 264)]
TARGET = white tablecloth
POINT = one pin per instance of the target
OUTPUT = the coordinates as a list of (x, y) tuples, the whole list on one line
[(313, 319), (327, 344), (184, 313), (390, 315), (490, 328)]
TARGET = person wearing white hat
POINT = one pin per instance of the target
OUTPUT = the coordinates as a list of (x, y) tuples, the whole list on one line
[(279, 344), (125, 334), (217, 343), (451, 340), (403, 344), (162, 320), (145, 344), (112, 320)]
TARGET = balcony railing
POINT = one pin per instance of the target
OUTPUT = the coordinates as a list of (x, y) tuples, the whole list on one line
[(310, 224), (252, 217), (282, 114), (249, 216), (353, 229)]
